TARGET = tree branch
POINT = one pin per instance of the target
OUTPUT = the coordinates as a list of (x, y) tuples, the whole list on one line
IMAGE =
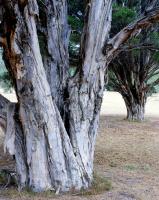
[(151, 85), (139, 46), (133, 29), (153, 74)]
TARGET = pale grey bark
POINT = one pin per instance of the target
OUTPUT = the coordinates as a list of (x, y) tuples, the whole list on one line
[(14, 143), (135, 107), (50, 154), (86, 88), (44, 138), (56, 33), (135, 112)]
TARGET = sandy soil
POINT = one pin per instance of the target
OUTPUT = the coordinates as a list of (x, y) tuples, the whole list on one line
[(126, 153)]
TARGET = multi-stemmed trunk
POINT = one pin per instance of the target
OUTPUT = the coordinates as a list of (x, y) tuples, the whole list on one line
[(52, 151), (53, 127), (129, 77), (135, 112)]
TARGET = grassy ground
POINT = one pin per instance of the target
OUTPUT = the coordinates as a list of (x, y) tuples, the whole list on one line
[(126, 155)]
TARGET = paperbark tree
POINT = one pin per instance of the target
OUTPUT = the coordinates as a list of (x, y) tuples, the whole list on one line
[(54, 146), (133, 73)]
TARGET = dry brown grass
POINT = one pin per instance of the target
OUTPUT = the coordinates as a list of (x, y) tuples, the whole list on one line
[(127, 155)]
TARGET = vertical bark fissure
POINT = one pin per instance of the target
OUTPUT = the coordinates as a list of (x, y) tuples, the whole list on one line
[(20, 148), (135, 107), (56, 58), (65, 159), (86, 88), (37, 109)]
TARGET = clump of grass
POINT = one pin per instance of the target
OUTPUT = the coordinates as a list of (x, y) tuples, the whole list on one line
[(99, 185), (133, 121), (131, 167), (112, 164), (7, 178), (26, 194), (2, 179)]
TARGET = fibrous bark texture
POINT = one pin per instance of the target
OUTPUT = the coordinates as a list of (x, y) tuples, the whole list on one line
[(55, 34), (135, 112), (86, 88), (44, 138), (53, 127)]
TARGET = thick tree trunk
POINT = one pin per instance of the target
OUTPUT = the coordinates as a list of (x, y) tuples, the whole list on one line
[(63, 152), (135, 107), (135, 112), (52, 153), (86, 88), (55, 55), (39, 131)]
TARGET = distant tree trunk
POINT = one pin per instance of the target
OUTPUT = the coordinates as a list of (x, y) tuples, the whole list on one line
[(52, 151), (135, 107)]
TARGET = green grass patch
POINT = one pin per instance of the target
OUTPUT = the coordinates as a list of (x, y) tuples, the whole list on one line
[(25, 194), (99, 185), (131, 167)]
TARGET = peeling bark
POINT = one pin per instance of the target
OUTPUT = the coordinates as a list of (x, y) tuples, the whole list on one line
[(42, 128), (56, 36), (52, 152), (86, 88)]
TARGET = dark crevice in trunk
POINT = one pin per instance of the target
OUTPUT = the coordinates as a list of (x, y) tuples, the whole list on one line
[(65, 115), (20, 145)]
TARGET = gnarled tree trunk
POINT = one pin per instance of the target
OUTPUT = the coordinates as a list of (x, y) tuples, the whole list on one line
[(38, 131), (53, 151), (135, 107), (43, 135)]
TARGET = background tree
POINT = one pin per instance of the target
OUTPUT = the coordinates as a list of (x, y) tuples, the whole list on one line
[(53, 127), (134, 73)]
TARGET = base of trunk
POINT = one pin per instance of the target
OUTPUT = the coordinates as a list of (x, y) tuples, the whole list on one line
[(135, 112)]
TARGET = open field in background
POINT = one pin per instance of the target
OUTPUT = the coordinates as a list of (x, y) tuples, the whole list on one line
[(127, 154), (9, 95), (113, 104)]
